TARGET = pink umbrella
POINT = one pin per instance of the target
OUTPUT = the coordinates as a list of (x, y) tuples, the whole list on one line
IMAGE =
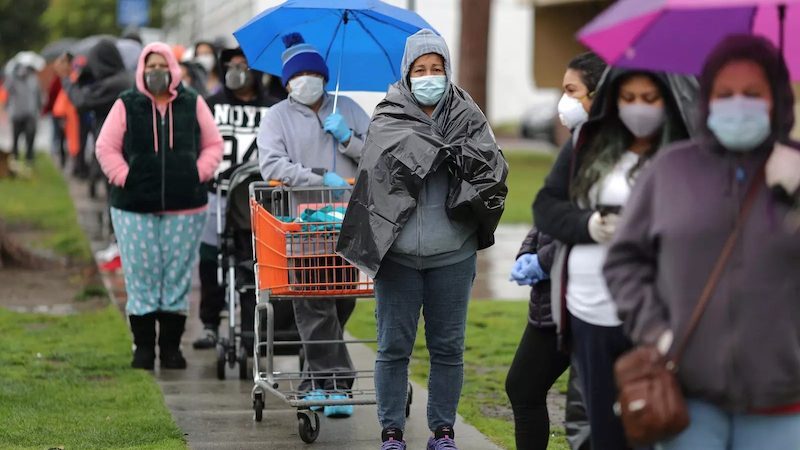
[(677, 35)]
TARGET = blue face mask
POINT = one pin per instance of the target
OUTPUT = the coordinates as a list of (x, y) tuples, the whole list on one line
[(740, 123), (428, 90)]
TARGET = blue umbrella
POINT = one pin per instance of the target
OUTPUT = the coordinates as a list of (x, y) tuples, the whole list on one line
[(362, 41)]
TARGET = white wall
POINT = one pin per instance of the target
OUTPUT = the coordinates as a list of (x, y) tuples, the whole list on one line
[(510, 77)]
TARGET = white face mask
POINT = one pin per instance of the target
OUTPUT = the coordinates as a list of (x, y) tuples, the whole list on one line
[(307, 89), (571, 112), (206, 61)]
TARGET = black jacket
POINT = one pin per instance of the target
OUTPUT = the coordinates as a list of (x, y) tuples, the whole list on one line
[(238, 120), (100, 83), (539, 310), (404, 146)]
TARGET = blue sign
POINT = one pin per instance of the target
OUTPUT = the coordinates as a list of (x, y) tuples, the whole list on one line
[(133, 13)]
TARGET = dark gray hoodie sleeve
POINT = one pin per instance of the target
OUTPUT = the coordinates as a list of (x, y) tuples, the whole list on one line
[(631, 266)]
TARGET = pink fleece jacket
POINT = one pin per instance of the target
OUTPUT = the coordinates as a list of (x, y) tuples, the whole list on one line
[(110, 141)]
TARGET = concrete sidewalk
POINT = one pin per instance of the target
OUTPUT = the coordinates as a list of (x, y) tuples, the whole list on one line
[(216, 414)]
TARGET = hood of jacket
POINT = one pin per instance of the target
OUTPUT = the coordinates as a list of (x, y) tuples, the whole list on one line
[(104, 60), (762, 52), (421, 43), (680, 99), (174, 69)]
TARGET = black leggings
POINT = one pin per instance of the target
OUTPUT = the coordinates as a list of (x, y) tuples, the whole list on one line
[(25, 126), (537, 365)]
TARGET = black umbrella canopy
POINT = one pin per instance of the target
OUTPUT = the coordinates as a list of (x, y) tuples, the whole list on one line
[(83, 46), (57, 48)]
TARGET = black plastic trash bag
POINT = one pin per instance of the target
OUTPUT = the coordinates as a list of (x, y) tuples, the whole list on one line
[(403, 147)]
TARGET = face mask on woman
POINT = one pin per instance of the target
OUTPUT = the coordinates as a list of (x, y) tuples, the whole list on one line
[(157, 81), (740, 124), (237, 78), (306, 89), (571, 112), (428, 90), (206, 61), (642, 120)]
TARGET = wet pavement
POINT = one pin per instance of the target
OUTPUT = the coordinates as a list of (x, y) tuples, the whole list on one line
[(218, 414)]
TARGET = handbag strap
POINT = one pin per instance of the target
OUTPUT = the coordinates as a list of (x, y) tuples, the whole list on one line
[(719, 267)]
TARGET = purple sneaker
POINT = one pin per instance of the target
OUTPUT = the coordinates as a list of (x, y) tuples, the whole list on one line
[(392, 439), (442, 439), (392, 444)]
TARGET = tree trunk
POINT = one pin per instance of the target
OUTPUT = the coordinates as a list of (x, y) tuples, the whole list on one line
[(474, 51), (15, 255)]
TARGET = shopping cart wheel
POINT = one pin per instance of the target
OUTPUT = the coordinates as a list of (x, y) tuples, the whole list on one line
[(258, 407), (242, 361), (221, 360), (409, 399), (308, 433)]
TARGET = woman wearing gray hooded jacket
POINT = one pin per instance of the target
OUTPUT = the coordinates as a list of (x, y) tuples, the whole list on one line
[(429, 194), (741, 368)]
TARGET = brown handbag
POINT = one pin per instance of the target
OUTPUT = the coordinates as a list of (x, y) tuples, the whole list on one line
[(650, 402)]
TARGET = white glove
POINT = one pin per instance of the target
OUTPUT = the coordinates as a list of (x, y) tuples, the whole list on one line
[(602, 228), (783, 169)]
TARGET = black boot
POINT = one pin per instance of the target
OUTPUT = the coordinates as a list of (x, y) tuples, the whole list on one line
[(170, 331), (144, 336)]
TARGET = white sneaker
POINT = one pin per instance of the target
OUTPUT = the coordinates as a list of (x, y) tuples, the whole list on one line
[(107, 254)]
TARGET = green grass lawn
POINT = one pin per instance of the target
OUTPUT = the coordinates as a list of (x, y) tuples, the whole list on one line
[(66, 382), (493, 332), (43, 203), (526, 174)]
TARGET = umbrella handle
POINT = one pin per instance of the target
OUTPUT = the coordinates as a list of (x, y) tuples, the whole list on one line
[(345, 20)]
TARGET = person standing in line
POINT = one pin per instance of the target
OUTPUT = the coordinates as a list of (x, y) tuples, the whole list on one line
[(539, 361), (238, 110), (159, 147), (23, 105), (430, 193), (304, 142), (740, 371), (205, 54)]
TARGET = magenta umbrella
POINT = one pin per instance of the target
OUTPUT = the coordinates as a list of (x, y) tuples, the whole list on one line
[(677, 35)]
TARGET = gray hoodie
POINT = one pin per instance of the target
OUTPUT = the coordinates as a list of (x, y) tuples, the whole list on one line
[(291, 142), (429, 238), (24, 95)]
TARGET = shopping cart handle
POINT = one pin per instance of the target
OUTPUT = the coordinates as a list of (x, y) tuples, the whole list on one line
[(276, 183)]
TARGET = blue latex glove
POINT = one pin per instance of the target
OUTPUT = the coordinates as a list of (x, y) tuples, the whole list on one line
[(336, 125), (332, 179), (527, 271)]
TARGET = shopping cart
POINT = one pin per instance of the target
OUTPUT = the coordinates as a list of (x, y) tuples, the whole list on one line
[(295, 230)]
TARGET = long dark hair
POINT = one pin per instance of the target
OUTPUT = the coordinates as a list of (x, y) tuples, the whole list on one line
[(612, 139), (590, 67)]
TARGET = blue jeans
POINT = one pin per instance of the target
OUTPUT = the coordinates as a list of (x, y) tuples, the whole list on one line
[(714, 429), (443, 294)]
